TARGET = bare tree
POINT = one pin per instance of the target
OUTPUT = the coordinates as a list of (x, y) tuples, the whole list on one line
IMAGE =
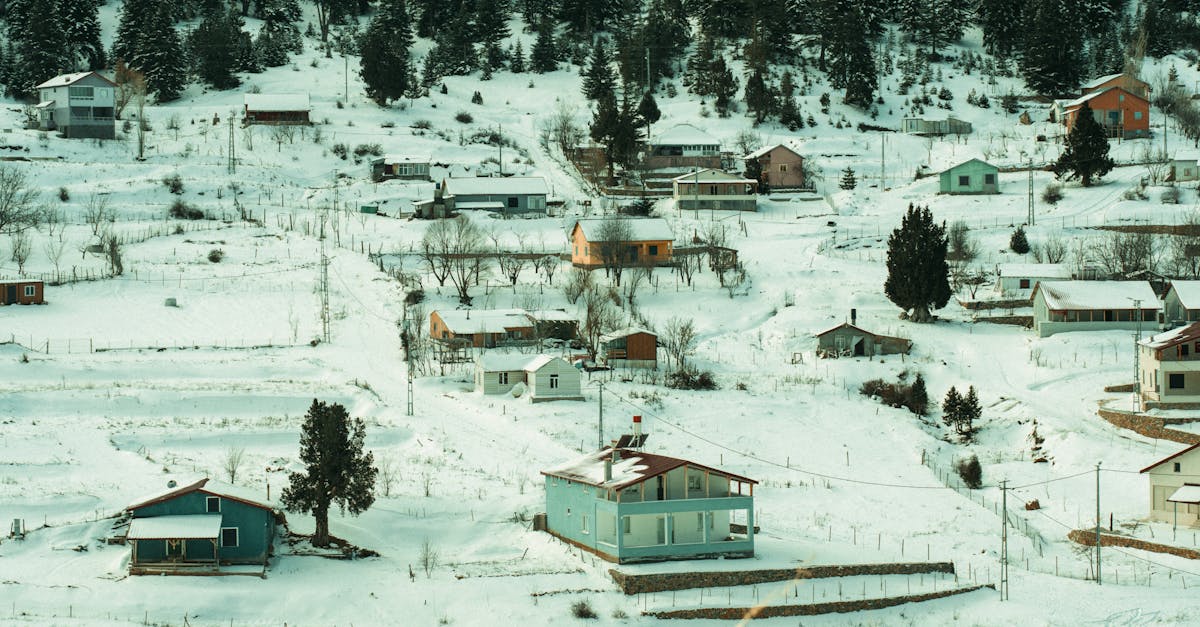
[(578, 284), (1126, 254), (96, 212), (130, 83), (435, 250), (1053, 250), (511, 265), (428, 558), (1184, 249), (388, 475), (613, 239), (600, 316), (53, 219), (54, 248), (639, 274), (281, 133), (679, 340), (1156, 162), (562, 129), (21, 247), (467, 249), (715, 238), (548, 265), (687, 265), (19, 207), (111, 246), (961, 245), (232, 462), (747, 141)]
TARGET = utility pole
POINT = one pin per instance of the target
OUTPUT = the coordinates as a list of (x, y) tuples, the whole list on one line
[(1137, 357), (600, 427), (1004, 540), (500, 143), (1029, 219), (882, 162), (1099, 581), (346, 77), (408, 366), (325, 267), (232, 158)]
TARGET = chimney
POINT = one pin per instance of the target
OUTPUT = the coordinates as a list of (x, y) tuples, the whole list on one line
[(637, 427), (608, 463), (854, 316)]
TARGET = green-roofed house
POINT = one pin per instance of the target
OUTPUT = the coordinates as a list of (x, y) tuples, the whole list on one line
[(970, 177), (198, 529)]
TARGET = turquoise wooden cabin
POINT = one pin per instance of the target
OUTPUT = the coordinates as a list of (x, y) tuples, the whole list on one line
[(970, 177), (629, 506), (193, 528)]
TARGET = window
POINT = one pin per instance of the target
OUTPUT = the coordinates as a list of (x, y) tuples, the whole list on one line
[(1137, 115), (699, 521), (964, 181), (512, 202), (783, 167), (568, 512), (1183, 350), (83, 93), (1024, 284), (553, 382), (989, 179), (81, 113), (1175, 381), (693, 482), (503, 378), (713, 190), (583, 524), (30, 290), (102, 113), (213, 505), (229, 537), (653, 250), (1176, 466), (625, 524)]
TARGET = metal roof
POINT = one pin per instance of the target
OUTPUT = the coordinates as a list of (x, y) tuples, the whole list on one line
[(709, 175), (1169, 458), (1188, 293), (63, 80), (184, 527), (1084, 295), (631, 468), (684, 135), (277, 102), (640, 229), (198, 486), (1174, 337), (626, 332), (766, 149), (470, 321), (496, 186), (1186, 494), (1034, 270)]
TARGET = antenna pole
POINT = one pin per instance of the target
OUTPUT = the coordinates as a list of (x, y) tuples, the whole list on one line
[(232, 158), (1099, 581), (1004, 540), (600, 428)]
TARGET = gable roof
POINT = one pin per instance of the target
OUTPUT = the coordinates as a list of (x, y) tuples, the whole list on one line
[(1034, 270), (1078, 102), (1186, 154), (1169, 458), (709, 175), (972, 160), (684, 135), (503, 362), (495, 185), (277, 102), (632, 468), (1096, 82), (470, 321), (626, 332), (766, 149), (1174, 337), (1060, 295), (1188, 293), (847, 325), (63, 80), (640, 229), (198, 486)]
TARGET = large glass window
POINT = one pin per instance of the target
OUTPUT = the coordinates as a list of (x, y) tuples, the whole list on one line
[(82, 93)]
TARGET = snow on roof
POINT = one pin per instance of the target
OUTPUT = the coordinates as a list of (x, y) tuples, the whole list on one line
[(184, 527), (277, 102), (406, 158), (640, 229), (1096, 82), (1185, 494), (62, 80), (709, 175), (1188, 293), (765, 149), (632, 467), (1166, 339), (224, 490), (553, 315), (45, 104), (503, 362), (1187, 154), (495, 185), (467, 321), (626, 332), (962, 163), (1061, 295), (1034, 270), (684, 135), (1071, 104), (537, 362), (479, 204), (19, 281)]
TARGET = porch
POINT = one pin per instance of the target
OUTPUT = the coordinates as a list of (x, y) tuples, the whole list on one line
[(675, 529)]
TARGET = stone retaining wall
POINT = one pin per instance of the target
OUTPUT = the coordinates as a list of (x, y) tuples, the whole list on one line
[(1020, 321), (833, 607), (662, 582), (1124, 387), (1149, 426), (1088, 538), (1013, 303)]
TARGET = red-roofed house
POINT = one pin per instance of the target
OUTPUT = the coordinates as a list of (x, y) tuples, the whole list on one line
[(1169, 368)]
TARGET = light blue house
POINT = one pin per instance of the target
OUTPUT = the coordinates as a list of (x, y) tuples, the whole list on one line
[(503, 195), (629, 506), (194, 528), (970, 177)]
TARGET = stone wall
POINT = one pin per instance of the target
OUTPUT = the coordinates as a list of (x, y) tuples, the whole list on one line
[(661, 582), (1088, 538), (811, 609), (1149, 426), (1020, 321), (1124, 387), (1014, 303)]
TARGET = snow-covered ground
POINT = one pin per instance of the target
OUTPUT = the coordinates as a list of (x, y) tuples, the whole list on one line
[(120, 392)]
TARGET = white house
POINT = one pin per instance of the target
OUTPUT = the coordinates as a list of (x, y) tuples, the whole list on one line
[(1169, 368), (1060, 306), (1184, 166), (1017, 280), (1181, 305), (714, 189), (1175, 487), (547, 378), (78, 105)]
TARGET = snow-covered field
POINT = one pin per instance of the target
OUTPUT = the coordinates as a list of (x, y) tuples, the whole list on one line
[(106, 393)]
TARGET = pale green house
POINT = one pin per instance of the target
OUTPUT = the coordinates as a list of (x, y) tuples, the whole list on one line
[(1061, 306), (970, 177), (629, 506)]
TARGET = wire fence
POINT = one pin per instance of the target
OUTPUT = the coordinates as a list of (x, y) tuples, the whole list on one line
[(80, 345)]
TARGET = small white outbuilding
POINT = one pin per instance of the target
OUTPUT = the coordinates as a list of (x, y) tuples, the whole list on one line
[(546, 377)]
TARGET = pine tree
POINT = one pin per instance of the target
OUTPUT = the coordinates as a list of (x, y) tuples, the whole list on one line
[(851, 60), (724, 86), (516, 64), (598, 79), (491, 26), (603, 129), (214, 44), (1002, 22), (1051, 59), (848, 181), (337, 471), (131, 28), (1018, 242), (385, 52), (278, 36), (80, 21), (789, 115), (648, 110), (758, 97), (40, 54), (723, 19), (544, 56), (667, 34), (432, 16), (1085, 154), (918, 397), (917, 278), (699, 71), (952, 407), (968, 412)]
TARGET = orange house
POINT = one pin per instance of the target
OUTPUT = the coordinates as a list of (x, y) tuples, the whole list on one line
[(649, 241), (481, 328), (1128, 82), (1122, 113)]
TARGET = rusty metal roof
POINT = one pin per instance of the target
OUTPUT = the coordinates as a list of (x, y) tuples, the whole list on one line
[(631, 468)]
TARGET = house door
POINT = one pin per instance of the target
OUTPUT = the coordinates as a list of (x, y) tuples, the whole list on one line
[(174, 550), (858, 349), (661, 485), (11, 296)]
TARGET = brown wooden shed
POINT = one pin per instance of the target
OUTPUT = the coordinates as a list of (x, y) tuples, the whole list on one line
[(22, 292), (631, 347)]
